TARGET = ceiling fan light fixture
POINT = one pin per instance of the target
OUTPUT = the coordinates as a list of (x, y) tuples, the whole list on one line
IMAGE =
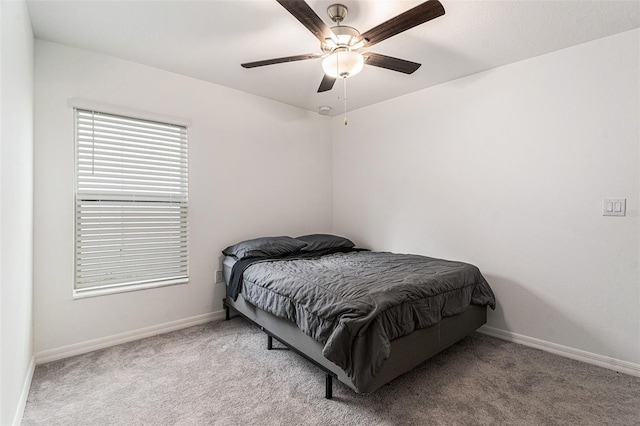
[(343, 64)]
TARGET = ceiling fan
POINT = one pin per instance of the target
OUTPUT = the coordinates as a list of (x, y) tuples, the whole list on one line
[(340, 44)]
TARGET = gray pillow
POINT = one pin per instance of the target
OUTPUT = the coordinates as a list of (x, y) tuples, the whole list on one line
[(317, 242), (265, 246)]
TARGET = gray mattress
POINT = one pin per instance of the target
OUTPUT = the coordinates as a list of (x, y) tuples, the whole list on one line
[(355, 304)]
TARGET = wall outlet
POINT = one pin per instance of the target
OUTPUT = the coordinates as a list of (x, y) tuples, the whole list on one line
[(218, 276)]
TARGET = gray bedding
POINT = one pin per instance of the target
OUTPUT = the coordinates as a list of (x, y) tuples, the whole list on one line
[(356, 303)]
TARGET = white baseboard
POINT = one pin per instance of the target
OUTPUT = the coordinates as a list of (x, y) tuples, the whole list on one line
[(104, 342), (24, 394), (565, 351), (129, 336)]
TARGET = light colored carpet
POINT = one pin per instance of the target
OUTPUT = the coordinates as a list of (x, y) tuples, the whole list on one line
[(222, 373)]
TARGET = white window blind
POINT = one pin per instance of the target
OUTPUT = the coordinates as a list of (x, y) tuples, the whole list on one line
[(131, 202)]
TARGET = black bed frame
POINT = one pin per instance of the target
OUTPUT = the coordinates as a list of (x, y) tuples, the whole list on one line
[(407, 352)]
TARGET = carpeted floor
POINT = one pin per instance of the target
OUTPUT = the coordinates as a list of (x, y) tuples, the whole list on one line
[(221, 373)]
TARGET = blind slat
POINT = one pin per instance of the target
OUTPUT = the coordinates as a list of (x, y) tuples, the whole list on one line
[(105, 180), (102, 166), (125, 248), (109, 217), (84, 115), (142, 276), (119, 156), (105, 257), (103, 129), (132, 266), (137, 272), (121, 146)]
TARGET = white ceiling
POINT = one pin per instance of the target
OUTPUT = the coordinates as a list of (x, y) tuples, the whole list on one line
[(209, 40)]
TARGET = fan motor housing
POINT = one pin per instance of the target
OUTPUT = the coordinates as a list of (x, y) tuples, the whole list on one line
[(345, 37)]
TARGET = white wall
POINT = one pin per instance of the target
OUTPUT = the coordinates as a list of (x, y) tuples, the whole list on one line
[(16, 212), (507, 169), (257, 167)]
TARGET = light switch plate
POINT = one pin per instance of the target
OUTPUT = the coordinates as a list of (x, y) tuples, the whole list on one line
[(614, 207), (219, 276)]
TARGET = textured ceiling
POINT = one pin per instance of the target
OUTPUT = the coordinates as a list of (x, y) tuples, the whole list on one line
[(209, 40)]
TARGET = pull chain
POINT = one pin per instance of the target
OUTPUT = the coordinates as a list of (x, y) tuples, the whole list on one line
[(344, 86)]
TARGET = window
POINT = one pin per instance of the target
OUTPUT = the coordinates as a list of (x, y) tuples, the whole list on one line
[(131, 204)]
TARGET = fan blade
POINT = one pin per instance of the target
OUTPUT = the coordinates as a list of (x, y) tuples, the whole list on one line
[(411, 18), (281, 60), (390, 63), (307, 17), (326, 83)]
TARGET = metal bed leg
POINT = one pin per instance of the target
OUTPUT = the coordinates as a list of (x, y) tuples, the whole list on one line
[(269, 342), (328, 391), (227, 315)]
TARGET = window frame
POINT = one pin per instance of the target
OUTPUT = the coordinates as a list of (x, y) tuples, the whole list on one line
[(134, 284)]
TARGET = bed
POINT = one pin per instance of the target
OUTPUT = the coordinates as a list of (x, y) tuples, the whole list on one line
[(362, 317)]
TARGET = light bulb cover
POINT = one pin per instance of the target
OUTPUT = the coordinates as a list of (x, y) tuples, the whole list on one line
[(344, 63)]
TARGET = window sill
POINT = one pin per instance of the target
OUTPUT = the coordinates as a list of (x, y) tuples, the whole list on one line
[(83, 294)]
